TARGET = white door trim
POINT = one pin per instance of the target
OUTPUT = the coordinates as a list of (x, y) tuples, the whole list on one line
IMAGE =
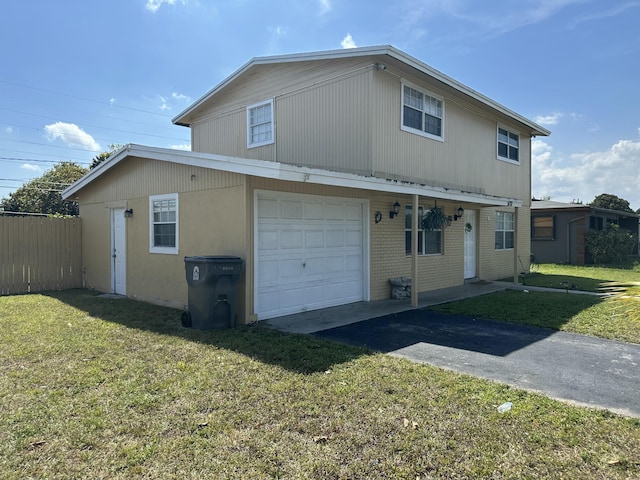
[(118, 251), (285, 195)]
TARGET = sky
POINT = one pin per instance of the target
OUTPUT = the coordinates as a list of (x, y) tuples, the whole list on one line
[(77, 76)]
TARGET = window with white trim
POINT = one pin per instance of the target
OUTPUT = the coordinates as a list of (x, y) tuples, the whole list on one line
[(508, 145), (260, 124), (422, 112), (505, 233), (429, 241), (163, 224)]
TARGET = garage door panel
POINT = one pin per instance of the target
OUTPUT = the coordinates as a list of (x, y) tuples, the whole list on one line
[(313, 211), (310, 256), (314, 238), (291, 238), (267, 208), (291, 209)]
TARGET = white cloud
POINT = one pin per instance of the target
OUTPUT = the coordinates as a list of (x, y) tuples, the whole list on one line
[(154, 5), (179, 96), (28, 166), (112, 101), (325, 6), (186, 147), (585, 175), (549, 119), (347, 42), (163, 103), (72, 135), (8, 130)]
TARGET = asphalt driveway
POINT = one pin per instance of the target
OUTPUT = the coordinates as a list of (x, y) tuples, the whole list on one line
[(584, 370)]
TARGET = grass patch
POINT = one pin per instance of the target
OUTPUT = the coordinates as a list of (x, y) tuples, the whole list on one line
[(585, 314), (102, 388), (588, 278)]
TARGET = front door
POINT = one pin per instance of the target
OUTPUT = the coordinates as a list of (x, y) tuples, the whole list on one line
[(118, 252), (470, 234)]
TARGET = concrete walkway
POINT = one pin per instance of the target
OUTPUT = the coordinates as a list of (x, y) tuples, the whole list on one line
[(579, 369)]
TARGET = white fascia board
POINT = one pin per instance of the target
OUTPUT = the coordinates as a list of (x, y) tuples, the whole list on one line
[(285, 172)]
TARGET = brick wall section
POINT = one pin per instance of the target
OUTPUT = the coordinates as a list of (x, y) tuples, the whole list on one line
[(388, 258), (498, 264)]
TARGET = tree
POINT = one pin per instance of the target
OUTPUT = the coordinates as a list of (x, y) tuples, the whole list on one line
[(611, 202), (42, 194), (101, 157)]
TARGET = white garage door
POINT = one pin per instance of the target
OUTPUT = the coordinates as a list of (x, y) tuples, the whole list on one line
[(309, 251)]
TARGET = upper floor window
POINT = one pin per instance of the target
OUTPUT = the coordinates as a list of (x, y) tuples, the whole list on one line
[(505, 230), (543, 227), (508, 145), (422, 113), (429, 241), (260, 124), (163, 223)]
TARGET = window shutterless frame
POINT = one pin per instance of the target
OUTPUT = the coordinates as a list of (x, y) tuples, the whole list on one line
[(422, 112), (164, 231), (260, 124), (508, 145)]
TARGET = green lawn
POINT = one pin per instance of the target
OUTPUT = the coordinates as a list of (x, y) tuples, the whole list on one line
[(577, 313), (583, 277), (101, 388)]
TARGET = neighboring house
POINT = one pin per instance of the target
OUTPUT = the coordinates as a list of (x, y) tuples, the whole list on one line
[(298, 164), (558, 229)]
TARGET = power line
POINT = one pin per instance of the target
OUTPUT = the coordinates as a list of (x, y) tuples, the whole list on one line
[(34, 160), (84, 99), (87, 125)]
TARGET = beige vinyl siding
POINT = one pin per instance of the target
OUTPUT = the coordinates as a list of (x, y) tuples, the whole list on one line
[(321, 115), (138, 177), (465, 160), (327, 126), (211, 217)]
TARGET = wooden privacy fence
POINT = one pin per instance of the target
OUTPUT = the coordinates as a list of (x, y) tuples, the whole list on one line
[(39, 253)]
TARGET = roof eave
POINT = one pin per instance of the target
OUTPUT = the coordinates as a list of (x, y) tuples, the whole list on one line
[(535, 129), (286, 172)]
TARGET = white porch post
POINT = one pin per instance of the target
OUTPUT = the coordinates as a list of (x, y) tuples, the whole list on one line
[(516, 277), (414, 252)]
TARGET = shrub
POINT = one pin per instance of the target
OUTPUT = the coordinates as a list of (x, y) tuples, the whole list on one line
[(611, 245)]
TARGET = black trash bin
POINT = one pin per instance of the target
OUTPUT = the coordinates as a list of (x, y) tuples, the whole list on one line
[(212, 284)]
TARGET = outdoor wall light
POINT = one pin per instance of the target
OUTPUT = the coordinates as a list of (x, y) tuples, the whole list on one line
[(128, 213), (458, 214), (395, 210)]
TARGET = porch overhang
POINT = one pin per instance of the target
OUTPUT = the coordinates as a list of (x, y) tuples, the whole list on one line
[(287, 172)]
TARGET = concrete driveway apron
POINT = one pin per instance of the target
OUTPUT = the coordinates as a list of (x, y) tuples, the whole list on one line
[(576, 368)]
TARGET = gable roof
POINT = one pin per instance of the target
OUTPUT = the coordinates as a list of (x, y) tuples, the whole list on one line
[(184, 118), (286, 172)]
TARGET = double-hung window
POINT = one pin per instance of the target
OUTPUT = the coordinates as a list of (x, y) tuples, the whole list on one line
[(422, 112), (429, 241), (508, 145), (505, 225), (163, 223), (260, 124)]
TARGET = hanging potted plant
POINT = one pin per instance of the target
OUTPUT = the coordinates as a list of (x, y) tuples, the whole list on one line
[(435, 219)]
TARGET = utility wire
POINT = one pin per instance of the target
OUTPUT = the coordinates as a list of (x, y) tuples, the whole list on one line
[(84, 99)]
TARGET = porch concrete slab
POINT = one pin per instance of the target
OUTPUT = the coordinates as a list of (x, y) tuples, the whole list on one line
[(318, 320)]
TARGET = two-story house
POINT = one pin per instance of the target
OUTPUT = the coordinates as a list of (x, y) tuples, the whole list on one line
[(311, 167)]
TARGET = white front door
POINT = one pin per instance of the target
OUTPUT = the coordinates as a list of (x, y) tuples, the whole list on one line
[(118, 252), (470, 234), (310, 253)]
